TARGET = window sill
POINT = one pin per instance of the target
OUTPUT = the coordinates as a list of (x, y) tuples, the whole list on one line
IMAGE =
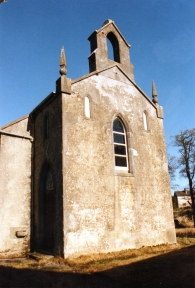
[(147, 131), (123, 173)]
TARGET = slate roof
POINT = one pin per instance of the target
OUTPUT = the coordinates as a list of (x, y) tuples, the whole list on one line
[(182, 193)]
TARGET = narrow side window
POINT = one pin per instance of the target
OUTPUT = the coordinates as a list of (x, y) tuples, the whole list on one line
[(145, 121), (87, 107), (120, 145), (46, 127)]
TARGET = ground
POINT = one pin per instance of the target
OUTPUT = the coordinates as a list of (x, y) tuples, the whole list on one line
[(160, 266)]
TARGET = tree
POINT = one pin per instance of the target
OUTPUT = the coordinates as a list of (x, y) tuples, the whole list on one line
[(171, 166), (185, 141)]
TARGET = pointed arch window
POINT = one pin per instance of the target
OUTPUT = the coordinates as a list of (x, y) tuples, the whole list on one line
[(120, 145), (145, 120), (87, 107)]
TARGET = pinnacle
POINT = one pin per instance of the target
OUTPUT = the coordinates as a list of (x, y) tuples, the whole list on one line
[(63, 70)]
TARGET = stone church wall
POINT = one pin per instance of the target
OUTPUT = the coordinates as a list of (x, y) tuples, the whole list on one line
[(106, 211), (15, 191), (19, 126), (48, 151)]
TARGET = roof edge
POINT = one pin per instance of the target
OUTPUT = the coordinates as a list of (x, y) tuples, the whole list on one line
[(16, 135), (44, 102), (110, 23), (13, 122)]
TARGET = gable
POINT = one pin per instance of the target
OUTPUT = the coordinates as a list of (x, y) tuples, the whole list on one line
[(18, 127), (116, 74), (110, 26)]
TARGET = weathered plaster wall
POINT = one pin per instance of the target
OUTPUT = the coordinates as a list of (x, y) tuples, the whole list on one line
[(15, 193), (105, 212), (184, 201), (20, 127), (48, 151)]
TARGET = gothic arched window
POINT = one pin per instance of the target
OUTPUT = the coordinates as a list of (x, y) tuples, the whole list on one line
[(87, 107), (145, 120), (120, 145)]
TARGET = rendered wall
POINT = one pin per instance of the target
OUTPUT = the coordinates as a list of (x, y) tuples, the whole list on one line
[(102, 211), (15, 191), (48, 151)]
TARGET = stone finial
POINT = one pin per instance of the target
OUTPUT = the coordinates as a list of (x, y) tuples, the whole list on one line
[(154, 93), (107, 21), (63, 84), (63, 66)]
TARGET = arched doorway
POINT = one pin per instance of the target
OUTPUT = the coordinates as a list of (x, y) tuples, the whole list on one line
[(47, 210)]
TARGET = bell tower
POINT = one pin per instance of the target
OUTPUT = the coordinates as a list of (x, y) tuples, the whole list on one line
[(98, 58)]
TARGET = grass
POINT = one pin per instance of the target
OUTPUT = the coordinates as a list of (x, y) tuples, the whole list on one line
[(99, 262), (184, 223), (183, 217)]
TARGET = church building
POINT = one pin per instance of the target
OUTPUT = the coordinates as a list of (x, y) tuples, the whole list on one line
[(86, 171)]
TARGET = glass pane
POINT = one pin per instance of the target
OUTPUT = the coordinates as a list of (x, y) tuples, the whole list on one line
[(120, 161), (117, 126), (119, 138), (119, 150)]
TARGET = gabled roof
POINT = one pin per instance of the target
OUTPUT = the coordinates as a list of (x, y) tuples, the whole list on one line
[(182, 193), (107, 68), (111, 22)]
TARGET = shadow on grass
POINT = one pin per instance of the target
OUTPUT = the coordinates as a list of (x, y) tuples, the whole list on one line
[(174, 269)]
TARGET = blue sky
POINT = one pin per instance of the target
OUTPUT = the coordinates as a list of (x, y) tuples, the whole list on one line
[(161, 34)]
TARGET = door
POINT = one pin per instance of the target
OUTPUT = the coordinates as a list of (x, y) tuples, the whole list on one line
[(48, 239), (47, 211)]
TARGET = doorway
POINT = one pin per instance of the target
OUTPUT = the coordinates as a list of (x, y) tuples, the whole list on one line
[(47, 211)]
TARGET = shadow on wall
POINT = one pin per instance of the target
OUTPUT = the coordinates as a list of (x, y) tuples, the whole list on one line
[(174, 269)]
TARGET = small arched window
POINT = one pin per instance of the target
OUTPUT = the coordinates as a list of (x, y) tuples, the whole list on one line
[(115, 46), (87, 107), (120, 145), (145, 120)]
